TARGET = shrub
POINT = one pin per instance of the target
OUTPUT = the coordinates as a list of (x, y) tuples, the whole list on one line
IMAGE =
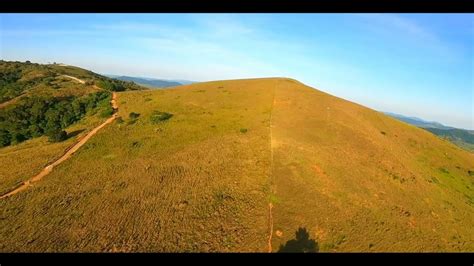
[(158, 116), (5, 138), (243, 130), (107, 112), (110, 85), (133, 115), (57, 135), (443, 170)]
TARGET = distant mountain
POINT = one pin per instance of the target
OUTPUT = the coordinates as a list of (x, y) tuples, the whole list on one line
[(151, 82), (418, 121), (462, 137), (184, 82)]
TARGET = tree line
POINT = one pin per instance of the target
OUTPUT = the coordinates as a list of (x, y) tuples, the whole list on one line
[(43, 115)]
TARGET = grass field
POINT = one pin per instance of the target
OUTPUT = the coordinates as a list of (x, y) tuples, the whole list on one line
[(361, 181), (202, 180), (22, 161)]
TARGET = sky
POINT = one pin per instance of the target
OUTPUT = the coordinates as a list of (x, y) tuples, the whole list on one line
[(418, 65)]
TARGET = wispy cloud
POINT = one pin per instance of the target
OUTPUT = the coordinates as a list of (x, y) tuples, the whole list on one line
[(215, 47), (225, 25), (403, 29)]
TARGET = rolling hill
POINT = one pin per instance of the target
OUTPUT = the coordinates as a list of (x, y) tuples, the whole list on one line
[(21, 79), (241, 165), (45, 110)]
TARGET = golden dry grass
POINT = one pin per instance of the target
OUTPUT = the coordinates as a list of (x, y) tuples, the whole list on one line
[(361, 181), (22, 161), (200, 182)]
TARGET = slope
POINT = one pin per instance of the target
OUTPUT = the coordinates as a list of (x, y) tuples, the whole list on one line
[(359, 180), (42, 98), (356, 179)]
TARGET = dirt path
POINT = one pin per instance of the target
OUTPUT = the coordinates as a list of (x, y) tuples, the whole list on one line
[(68, 153), (5, 104), (74, 78), (270, 218), (270, 205)]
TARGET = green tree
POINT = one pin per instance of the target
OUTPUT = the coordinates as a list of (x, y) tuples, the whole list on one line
[(5, 138), (57, 135)]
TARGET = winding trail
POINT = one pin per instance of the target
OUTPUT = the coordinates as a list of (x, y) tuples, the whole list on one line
[(74, 78), (66, 155), (5, 104)]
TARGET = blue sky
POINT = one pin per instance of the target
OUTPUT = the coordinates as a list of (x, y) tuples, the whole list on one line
[(412, 64)]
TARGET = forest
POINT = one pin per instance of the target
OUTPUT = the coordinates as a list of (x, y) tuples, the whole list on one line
[(38, 116)]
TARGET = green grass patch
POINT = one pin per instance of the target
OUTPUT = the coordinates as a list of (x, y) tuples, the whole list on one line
[(158, 116)]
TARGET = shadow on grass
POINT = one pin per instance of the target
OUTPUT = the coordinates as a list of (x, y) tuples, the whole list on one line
[(301, 244), (74, 133)]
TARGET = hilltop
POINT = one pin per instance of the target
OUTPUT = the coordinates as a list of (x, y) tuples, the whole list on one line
[(240, 165)]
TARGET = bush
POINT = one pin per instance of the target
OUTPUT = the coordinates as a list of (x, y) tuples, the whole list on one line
[(158, 116), (5, 138), (57, 135), (110, 85), (133, 115), (107, 112), (243, 130)]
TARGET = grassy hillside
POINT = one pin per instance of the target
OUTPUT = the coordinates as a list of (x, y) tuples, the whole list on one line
[(18, 80), (43, 100), (359, 180), (202, 180), (40, 99)]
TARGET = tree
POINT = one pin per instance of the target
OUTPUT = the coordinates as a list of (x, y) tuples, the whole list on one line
[(57, 135), (5, 138), (17, 137), (35, 130)]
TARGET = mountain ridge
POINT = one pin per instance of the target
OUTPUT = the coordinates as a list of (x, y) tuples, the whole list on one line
[(152, 82)]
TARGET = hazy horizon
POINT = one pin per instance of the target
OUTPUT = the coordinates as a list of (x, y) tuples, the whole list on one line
[(414, 65)]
